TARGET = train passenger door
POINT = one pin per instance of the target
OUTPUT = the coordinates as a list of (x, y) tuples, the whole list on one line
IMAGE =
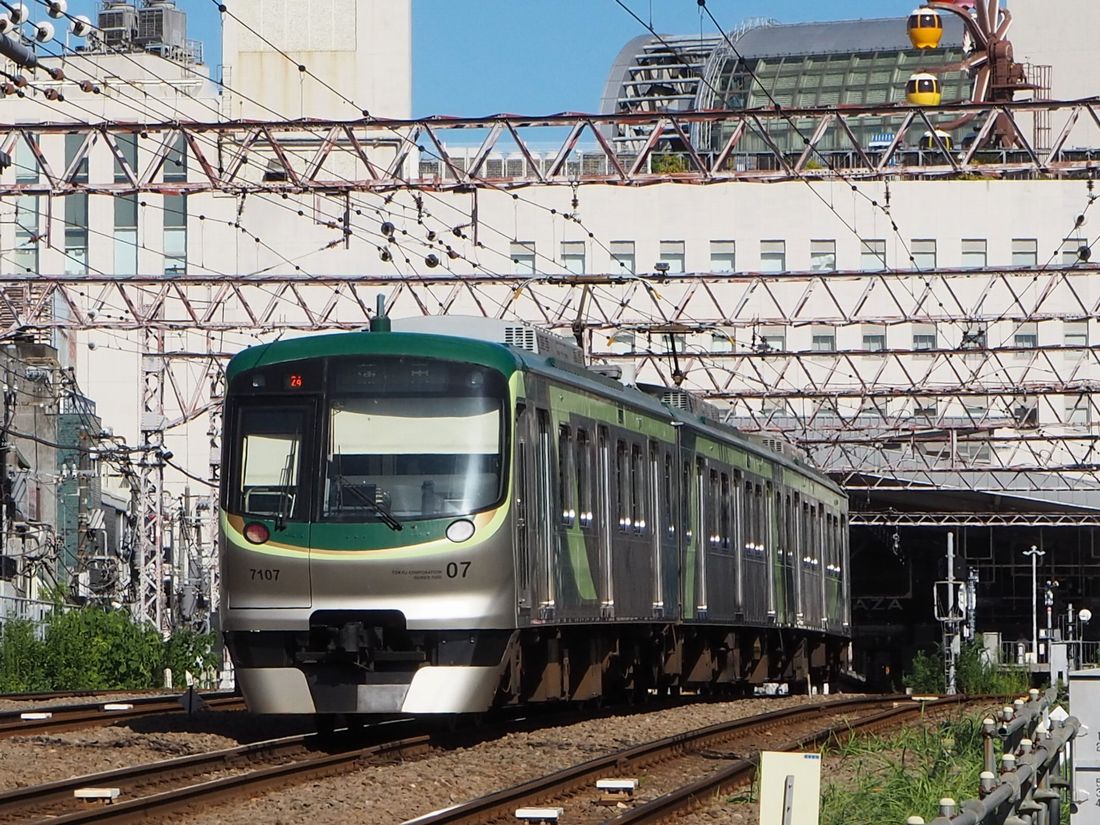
[(739, 538), (658, 489), (693, 537), (633, 527), (772, 561), (523, 490), (544, 567), (603, 506), (703, 514), (535, 590)]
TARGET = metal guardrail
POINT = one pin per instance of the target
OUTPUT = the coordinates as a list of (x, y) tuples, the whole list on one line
[(1027, 789), (1018, 653)]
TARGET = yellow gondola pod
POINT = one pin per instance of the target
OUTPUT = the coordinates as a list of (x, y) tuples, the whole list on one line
[(928, 140), (925, 28), (923, 89)]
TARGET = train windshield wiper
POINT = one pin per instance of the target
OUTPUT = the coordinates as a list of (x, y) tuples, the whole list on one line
[(285, 501), (384, 515)]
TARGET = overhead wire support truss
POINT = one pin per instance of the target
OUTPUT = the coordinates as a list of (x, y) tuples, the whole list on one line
[(375, 155), (920, 413)]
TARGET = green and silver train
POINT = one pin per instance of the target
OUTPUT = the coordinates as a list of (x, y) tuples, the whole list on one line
[(459, 514)]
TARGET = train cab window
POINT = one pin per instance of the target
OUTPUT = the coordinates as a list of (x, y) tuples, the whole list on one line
[(584, 478), (269, 441), (567, 477), (413, 439), (622, 484)]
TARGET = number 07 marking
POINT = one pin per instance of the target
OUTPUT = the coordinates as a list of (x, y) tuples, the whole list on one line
[(457, 569)]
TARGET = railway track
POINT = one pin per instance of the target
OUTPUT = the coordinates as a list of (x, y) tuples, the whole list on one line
[(155, 789), (51, 695), (711, 760), (72, 717), (723, 756), (160, 786)]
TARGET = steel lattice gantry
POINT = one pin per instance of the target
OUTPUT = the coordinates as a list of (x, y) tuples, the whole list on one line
[(973, 411), (905, 413), (372, 155)]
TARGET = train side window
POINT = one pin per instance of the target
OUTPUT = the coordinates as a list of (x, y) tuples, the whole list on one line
[(842, 548), (725, 527), (702, 490), (761, 519), (622, 481), (637, 489), (584, 478), (567, 477), (714, 513), (780, 532), (737, 537), (668, 504), (822, 537), (685, 500), (807, 530), (786, 526), (830, 542), (750, 518)]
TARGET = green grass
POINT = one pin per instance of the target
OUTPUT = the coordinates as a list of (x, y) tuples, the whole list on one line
[(889, 778), (975, 674)]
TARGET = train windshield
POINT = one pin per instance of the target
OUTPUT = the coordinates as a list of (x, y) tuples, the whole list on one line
[(412, 439)]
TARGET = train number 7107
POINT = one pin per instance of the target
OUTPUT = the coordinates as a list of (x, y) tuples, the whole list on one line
[(265, 574)]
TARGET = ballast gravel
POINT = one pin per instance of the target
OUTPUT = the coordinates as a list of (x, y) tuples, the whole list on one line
[(379, 795), (392, 794), (35, 760)]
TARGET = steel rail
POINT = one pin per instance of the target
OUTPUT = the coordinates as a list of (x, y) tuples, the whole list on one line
[(74, 717), (15, 802), (21, 802), (738, 771), (157, 805), (49, 695), (502, 803)]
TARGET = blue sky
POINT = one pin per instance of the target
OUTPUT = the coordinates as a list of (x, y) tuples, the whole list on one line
[(479, 57)]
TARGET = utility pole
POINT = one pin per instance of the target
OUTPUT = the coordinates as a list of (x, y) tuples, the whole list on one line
[(949, 598), (5, 447), (1035, 553)]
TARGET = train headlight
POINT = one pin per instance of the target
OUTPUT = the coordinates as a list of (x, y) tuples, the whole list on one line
[(256, 532), (460, 531)]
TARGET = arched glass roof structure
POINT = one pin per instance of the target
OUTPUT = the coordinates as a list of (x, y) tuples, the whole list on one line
[(803, 65)]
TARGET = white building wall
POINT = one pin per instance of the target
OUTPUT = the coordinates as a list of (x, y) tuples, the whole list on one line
[(1060, 34), (360, 48)]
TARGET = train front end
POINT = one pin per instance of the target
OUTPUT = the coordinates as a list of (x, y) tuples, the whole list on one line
[(366, 539)]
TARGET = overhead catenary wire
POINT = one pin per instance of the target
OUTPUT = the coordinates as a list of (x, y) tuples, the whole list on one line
[(423, 212), (476, 265)]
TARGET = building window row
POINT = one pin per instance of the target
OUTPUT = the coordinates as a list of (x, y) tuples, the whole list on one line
[(1016, 411), (672, 256), (917, 339)]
